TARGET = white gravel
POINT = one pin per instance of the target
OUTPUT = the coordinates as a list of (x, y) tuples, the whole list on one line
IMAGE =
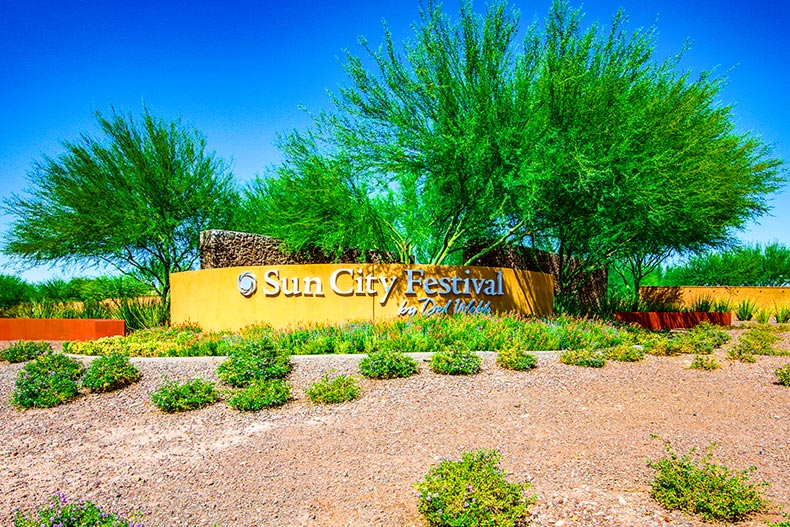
[(581, 436)]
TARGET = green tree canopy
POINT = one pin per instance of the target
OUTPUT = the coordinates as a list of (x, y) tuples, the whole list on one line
[(748, 265), (135, 198)]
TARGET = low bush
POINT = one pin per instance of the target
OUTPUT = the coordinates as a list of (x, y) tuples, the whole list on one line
[(456, 362), (61, 513), (783, 375), (173, 396), (587, 358), (388, 365), (741, 353), (261, 394), (515, 358), (782, 313), (762, 316), (48, 381), (759, 340), (472, 492), (626, 353), (704, 362), (110, 372), (252, 360), (333, 390), (702, 339), (25, 350), (744, 309), (706, 488)]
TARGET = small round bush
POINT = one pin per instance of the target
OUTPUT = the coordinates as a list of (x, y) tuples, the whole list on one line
[(253, 360), (514, 358), (388, 364), (625, 353), (332, 390), (261, 394), (472, 492), (458, 362), (783, 375), (25, 350), (176, 397), (586, 358), (704, 362), (61, 512), (110, 372), (47, 381)]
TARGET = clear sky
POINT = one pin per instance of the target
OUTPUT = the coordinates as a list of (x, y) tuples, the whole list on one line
[(240, 71)]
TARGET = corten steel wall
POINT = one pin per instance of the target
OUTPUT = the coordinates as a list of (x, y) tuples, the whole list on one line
[(59, 328), (763, 297), (211, 297)]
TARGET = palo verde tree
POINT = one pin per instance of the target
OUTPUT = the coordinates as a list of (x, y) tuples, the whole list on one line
[(135, 198)]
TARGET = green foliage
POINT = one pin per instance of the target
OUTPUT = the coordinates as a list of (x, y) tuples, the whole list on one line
[(701, 339), (137, 197), (173, 396), (626, 353), (744, 310), (704, 362), (783, 375), (588, 358), (24, 350), (741, 353), (722, 306), (514, 358), (759, 340), (762, 316), (472, 492), (260, 394), (457, 362), (706, 488), (386, 364), (333, 390), (13, 291), (703, 304), (109, 373), (252, 360), (749, 265), (174, 341), (782, 313), (62, 513), (48, 381)]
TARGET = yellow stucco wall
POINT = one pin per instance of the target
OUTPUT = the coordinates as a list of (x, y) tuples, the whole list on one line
[(763, 297), (290, 295)]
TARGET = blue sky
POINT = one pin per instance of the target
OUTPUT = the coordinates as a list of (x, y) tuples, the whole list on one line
[(240, 71)]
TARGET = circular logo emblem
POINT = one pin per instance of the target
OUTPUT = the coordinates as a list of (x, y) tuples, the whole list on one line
[(248, 284)]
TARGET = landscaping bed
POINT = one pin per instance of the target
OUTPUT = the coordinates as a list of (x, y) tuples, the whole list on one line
[(580, 435)]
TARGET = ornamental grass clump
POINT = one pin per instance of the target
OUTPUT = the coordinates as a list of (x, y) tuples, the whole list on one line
[(110, 372), (456, 362), (472, 492), (333, 390), (253, 360), (173, 396), (260, 394), (782, 313), (745, 309), (25, 350), (62, 513), (515, 358), (387, 364), (706, 488), (48, 381)]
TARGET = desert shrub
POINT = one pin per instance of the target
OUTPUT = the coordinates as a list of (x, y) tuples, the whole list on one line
[(472, 492), (704, 362), (661, 345), (141, 313), (782, 313), (456, 362), (760, 340), (388, 365), (705, 487), (626, 353), (741, 353), (61, 513), (173, 341), (702, 303), (173, 396), (762, 316), (252, 360), (721, 306), (744, 309), (109, 373), (588, 358), (332, 390), (783, 375), (261, 394), (25, 350), (711, 333), (48, 381), (515, 358)]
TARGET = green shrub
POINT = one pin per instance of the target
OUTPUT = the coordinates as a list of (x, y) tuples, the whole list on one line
[(456, 362), (741, 353), (515, 358), (472, 492), (173, 396), (702, 303), (109, 373), (722, 306), (744, 310), (61, 513), (25, 350), (760, 340), (388, 365), (626, 353), (762, 316), (48, 381), (261, 394), (332, 390), (705, 487), (782, 313), (704, 362), (783, 375), (252, 360), (583, 357)]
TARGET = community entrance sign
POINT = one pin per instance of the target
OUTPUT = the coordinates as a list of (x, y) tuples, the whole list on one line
[(287, 295)]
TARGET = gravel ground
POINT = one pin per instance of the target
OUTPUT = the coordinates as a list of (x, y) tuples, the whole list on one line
[(581, 436)]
